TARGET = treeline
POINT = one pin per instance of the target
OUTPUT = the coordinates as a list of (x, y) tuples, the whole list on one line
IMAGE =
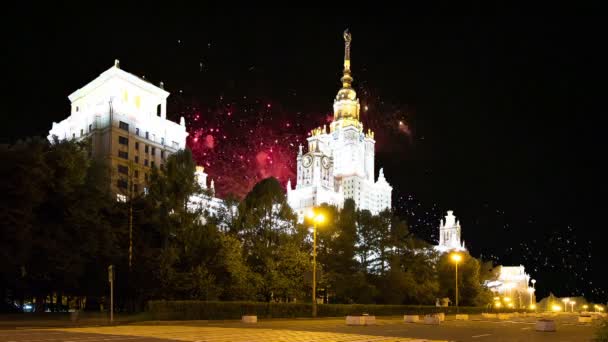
[(61, 228)]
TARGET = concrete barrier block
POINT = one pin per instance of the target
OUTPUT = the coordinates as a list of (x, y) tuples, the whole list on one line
[(361, 320), (411, 318), (462, 317), (249, 319), (432, 319), (546, 325)]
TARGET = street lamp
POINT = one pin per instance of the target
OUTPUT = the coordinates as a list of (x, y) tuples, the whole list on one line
[(316, 219), (585, 307), (534, 287), (531, 292), (456, 258), (572, 305), (566, 300)]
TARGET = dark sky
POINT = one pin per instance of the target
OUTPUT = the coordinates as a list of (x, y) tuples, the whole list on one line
[(504, 110)]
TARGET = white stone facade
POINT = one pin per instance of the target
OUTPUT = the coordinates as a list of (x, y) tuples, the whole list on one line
[(339, 163), (124, 119), (207, 200), (450, 234)]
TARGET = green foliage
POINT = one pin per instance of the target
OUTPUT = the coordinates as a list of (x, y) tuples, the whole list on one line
[(471, 292), (61, 228)]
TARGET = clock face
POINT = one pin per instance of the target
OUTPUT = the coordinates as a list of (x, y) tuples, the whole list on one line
[(325, 162), (307, 161)]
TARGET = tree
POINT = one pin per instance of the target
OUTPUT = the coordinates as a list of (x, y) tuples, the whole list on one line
[(470, 290), (267, 227)]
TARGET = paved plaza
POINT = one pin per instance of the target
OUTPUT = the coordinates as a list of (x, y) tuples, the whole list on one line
[(386, 329)]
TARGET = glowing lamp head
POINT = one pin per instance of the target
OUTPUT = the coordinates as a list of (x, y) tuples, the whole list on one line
[(585, 306), (496, 298), (533, 307), (566, 300), (311, 214), (572, 302), (510, 305), (497, 304), (507, 299), (456, 257), (556, 308), (320, 218)]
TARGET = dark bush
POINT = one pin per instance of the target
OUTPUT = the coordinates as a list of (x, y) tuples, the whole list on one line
[(202, 310)]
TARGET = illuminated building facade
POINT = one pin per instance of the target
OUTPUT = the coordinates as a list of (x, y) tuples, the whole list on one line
[(513, 282), (339, 164), (449, 234), (124, 119)]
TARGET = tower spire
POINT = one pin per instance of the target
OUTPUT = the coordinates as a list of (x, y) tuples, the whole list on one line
[(346, 104), (347, 79)]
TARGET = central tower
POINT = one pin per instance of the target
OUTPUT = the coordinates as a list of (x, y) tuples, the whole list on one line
[(339, 164)]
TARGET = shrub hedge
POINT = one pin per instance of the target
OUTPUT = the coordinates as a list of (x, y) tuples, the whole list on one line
[(210, 310)]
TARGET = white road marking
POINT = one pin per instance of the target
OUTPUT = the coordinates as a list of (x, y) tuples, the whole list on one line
[(528, 328), (482, 335)]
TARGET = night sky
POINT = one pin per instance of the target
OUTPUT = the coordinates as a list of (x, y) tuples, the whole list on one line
[(496, 117)]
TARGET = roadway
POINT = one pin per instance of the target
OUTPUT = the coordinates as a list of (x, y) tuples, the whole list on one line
[(386, 329)]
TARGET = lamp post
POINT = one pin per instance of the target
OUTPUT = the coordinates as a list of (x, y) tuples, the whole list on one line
[(316, 219), (534, 287), (572, 306), (456, 258), (531, 292), (566, 300)]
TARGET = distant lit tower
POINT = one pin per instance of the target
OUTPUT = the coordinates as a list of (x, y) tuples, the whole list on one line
[(449, 234)]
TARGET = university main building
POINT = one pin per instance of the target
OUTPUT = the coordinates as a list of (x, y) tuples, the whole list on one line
[(339, 163)]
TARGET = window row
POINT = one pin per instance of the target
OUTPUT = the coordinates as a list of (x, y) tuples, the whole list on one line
[(125, 141), (125, 155), (125, 126)]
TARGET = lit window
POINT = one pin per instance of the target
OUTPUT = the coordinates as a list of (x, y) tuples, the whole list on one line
[(121, 198)]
